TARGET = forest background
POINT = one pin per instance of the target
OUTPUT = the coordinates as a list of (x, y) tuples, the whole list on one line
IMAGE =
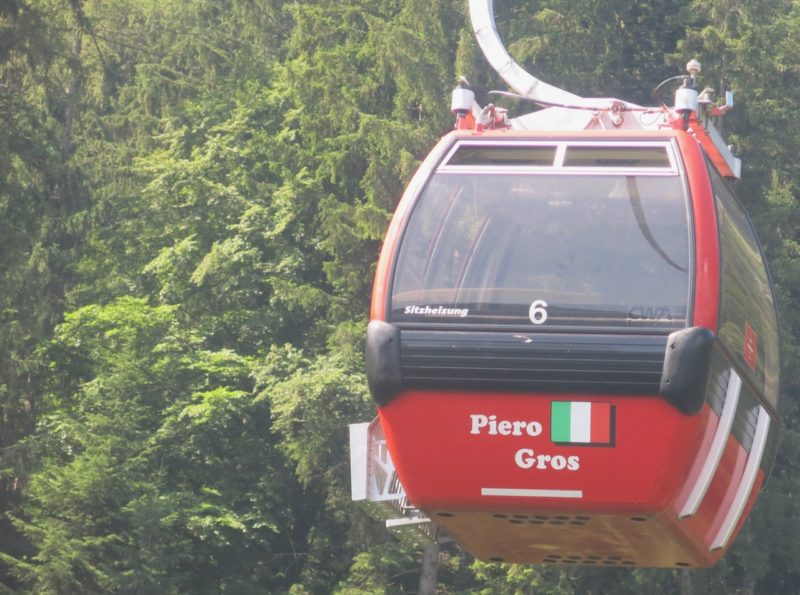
[(192, 198)]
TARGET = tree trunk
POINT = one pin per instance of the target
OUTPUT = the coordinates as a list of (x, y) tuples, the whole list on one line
[(430, 567), (73, 93), (749, 586), (687, 587)]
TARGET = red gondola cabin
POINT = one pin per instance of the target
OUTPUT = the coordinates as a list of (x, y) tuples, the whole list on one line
[(574, 348)]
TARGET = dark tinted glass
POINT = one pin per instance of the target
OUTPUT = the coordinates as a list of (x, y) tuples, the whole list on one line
[(503, 155), (748, 325), (616, 157), (545, 250)]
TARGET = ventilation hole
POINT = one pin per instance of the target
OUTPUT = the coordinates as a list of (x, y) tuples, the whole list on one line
[(496, 559), (516, 522), (682, 564), (639, 519), (445, 514), (539, 519), (592, 560)]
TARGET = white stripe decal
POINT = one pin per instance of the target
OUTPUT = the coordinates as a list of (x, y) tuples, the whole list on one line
[(714, 455), (580, 422), (522, 493), (746, 483)]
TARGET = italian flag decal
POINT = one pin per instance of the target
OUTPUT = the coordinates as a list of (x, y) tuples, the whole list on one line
[(576, 422)]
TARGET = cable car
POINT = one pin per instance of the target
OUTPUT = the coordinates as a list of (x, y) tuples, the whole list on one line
[(573, 342)]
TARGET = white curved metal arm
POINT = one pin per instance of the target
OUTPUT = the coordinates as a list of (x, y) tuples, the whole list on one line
[(482, 15)]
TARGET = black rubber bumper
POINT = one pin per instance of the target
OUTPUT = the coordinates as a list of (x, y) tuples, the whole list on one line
[(674, 366)]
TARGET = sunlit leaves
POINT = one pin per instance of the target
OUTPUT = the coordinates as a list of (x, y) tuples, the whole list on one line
[(211, 233)]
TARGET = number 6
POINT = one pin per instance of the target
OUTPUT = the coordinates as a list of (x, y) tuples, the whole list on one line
[(538, 312)]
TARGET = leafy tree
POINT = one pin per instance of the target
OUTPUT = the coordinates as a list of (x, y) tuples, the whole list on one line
[(42, 196), (159, 472), (202, 188)]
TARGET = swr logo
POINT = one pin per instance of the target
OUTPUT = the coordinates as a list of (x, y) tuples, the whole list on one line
[(649, 313)]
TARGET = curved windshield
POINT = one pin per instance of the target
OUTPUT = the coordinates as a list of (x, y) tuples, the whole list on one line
[(544, 249)]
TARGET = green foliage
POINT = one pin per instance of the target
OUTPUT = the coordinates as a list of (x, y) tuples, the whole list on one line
[(386, 568), (311, 401), (162, 459), (192, 198)]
